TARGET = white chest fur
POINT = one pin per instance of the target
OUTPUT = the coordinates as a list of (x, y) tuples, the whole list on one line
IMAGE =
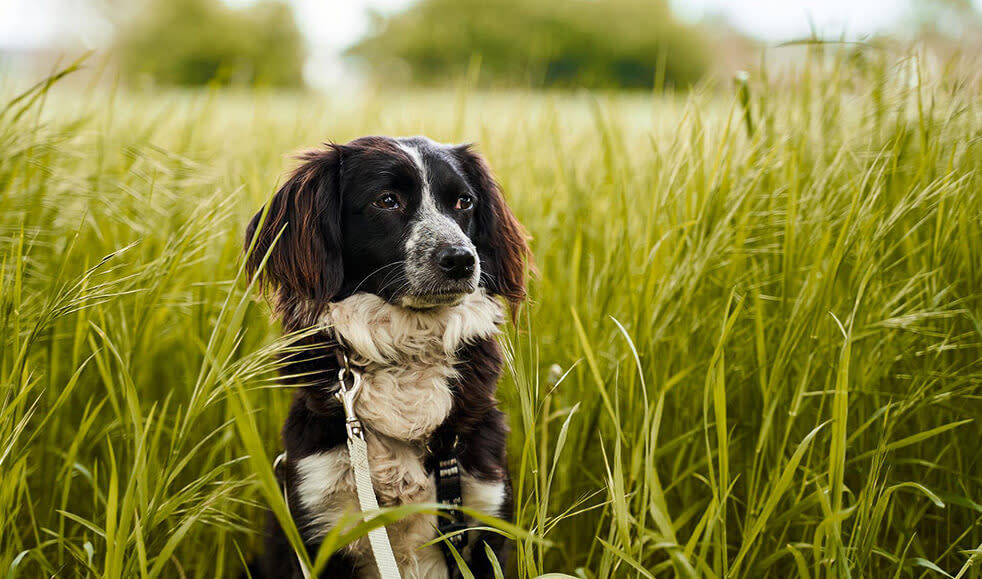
[(407, 361), (407, 357)]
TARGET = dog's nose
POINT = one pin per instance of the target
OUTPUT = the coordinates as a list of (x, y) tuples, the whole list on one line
[(456, 262)]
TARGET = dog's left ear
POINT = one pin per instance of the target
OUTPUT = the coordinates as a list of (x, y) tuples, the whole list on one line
[(501, 241), (299, 234)]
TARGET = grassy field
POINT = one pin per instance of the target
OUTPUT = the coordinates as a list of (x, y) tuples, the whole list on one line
[(753, 348)]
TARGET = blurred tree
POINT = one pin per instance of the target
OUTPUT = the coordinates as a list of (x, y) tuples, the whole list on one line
[(946, 18), (572, 43), (194, 42)]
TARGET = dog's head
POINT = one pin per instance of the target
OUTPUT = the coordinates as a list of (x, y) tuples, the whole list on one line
[(416, 222)]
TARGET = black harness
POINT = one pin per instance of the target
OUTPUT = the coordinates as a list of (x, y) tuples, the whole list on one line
[(451, 523)]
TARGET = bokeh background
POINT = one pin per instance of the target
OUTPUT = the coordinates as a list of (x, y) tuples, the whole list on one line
[(335, 45)]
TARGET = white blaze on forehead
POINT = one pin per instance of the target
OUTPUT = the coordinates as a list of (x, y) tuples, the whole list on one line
[(427, 207), (417, 158)]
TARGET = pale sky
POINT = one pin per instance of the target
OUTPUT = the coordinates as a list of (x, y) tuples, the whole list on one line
[(331, 25)]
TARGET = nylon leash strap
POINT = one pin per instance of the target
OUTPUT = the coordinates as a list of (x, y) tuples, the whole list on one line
[(385, 559)]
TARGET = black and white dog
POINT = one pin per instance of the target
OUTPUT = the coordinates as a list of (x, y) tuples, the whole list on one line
[(398, 249)]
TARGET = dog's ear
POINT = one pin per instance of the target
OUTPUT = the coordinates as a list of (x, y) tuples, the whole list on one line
[(500, 239), (302, 226)]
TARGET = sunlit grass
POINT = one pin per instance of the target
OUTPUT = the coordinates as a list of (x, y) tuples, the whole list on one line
[(754, 346)]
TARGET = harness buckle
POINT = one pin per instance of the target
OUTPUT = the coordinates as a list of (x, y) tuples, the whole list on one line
[(459, 538)]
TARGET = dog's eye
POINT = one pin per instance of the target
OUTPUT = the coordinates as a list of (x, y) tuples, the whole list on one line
[(464, 202), (387, 201)]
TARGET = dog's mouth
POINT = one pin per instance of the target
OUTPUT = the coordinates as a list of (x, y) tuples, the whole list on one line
[(431, 301), (445, 297)]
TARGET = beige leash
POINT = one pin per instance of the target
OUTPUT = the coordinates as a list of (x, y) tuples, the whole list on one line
[(385, 559)]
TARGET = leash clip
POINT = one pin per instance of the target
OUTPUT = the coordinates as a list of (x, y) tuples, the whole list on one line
[(346, 396)]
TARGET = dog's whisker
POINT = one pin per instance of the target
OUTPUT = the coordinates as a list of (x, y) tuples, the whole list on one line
[(364, 279), (404, 286)]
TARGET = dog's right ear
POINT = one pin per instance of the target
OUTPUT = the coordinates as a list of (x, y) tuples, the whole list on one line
[(300, 232)]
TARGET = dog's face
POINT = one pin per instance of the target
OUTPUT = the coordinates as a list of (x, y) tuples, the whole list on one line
[(418, 223), (408, 222)]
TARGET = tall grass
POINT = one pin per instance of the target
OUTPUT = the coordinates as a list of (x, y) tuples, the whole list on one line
[(754, 346)]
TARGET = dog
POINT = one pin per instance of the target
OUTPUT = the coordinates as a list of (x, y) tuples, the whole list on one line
[(404, 255)]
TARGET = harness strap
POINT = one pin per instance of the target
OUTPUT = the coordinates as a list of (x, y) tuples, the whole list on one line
[(448, 493)]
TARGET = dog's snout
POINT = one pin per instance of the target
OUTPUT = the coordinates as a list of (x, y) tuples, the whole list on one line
[(456, 262)]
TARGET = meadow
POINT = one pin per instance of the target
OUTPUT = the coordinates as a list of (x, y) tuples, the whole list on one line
[(752, 348)]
